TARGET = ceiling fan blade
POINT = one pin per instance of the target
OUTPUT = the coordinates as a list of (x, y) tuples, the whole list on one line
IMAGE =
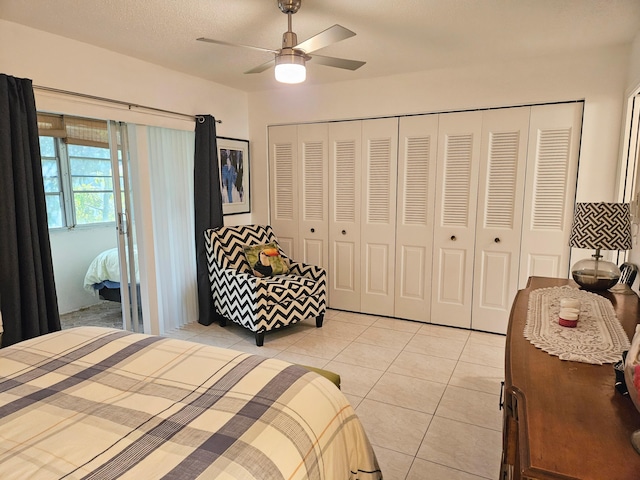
[(263, 67), (229, 44), (337, 62), (325, 38)]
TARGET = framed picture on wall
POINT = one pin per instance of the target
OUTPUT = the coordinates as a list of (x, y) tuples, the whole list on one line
[(233, 156)]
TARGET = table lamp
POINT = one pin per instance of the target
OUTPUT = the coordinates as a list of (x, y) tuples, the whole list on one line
[(601, 226)]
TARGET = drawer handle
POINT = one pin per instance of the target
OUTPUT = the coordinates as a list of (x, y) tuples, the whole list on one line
[(497, 240), (313, 230), (453, 238), (344, 232)]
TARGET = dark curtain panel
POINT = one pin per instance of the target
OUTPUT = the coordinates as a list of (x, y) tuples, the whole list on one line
[(208, 207), (27, 287)]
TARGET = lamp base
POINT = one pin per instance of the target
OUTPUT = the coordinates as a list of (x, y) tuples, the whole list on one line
[(595, 274), (622, 288)]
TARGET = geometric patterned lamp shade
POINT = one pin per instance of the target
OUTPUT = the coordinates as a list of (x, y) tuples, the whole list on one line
[(605, 226)]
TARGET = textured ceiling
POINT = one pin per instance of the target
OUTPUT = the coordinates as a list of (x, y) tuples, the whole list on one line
[(393, 36)]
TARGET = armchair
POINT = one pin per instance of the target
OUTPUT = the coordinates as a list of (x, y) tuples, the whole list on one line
[(260, 304)]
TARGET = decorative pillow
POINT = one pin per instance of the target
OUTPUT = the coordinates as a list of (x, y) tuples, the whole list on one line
[(265, 260)]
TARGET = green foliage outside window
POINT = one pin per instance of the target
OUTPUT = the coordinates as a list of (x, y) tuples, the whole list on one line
[(88, 181), (92, 184)]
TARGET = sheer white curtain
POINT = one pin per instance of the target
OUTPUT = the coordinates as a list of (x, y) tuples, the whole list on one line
[(171, 161)]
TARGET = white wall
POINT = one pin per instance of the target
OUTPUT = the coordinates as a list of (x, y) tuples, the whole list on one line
[(633, 80), (72, 252), (633, 85), (57, 62), (597, 76)]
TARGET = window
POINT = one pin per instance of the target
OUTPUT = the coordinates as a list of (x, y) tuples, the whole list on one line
[(76, 168), (91, 184), (52, 182)]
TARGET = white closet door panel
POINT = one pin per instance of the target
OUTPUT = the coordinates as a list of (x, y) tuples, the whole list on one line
[(345, 147), (411, 280), (499, 221), (289, 244), (378, 220), (345, 278), (418, 140), (495, 273), (455, 217), (314, 251), (541, 265), (283, 162), (453, 276), (552, 169), (313, 152), (377, 280)]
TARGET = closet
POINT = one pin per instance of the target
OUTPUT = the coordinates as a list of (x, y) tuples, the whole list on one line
[(476, 241), (299, 190), (417, 150), (362, 213), (437, 218)]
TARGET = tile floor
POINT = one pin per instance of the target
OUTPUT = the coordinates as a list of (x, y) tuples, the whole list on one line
[(427, 395)]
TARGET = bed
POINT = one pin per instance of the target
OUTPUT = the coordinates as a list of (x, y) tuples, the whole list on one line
[(103, 275), (93, 402)]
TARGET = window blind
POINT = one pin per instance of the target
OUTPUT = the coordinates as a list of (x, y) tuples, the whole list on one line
[(74, 130)]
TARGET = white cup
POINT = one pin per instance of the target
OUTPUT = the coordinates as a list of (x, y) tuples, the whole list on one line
[(569, 312)]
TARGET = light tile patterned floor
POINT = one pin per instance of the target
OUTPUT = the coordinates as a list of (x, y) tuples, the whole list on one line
[(427, 395)]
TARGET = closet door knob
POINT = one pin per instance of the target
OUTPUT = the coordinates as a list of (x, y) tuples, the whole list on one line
[(497, 240), (313, 230), (344, 232), (453, 238)]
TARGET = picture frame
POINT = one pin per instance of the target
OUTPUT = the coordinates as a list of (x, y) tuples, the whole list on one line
[(233, 158)]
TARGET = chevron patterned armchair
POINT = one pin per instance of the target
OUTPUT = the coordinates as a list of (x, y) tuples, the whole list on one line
[(261, 304)]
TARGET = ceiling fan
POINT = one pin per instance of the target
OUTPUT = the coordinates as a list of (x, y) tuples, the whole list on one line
[(290, 60)]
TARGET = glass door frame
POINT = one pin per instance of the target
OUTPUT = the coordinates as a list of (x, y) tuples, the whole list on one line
[(123, 203)]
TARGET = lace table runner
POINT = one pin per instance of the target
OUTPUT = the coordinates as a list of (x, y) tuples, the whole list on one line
[(598, 338)]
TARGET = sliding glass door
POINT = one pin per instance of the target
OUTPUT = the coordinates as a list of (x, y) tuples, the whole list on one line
[(127, 248), (96, 174), (162, 175)]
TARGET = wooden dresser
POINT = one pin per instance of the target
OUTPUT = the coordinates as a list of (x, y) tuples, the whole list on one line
[(565, 420)]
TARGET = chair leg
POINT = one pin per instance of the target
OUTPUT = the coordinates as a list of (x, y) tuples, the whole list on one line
[(260, 338), (319, 320), (222, 321)]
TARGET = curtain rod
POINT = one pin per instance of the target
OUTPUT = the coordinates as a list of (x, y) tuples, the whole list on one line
[(129, 105)]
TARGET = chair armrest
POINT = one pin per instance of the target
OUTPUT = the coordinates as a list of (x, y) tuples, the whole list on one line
[(234, 276), (310, 271), (232, 273)]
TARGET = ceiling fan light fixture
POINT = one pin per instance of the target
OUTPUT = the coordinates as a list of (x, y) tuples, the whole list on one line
[(290, 68), (290, 60)]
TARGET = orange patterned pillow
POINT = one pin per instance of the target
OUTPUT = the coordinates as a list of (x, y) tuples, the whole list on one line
[(265, 260)]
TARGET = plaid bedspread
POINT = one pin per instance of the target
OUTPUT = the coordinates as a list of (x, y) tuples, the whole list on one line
[(96, 403)]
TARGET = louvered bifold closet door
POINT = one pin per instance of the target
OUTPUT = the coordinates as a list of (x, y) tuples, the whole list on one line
[(378, 220), (418, 140), (313, 140), (501, 180), (552, 170), (283, 166), (455, 218), (345, 147)]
